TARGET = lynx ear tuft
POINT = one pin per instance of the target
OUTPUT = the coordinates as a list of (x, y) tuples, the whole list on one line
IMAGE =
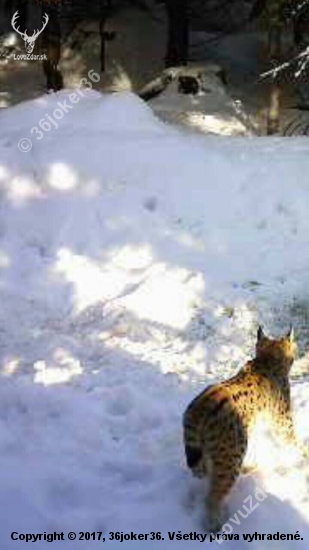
[(291, 335), (260, 333)]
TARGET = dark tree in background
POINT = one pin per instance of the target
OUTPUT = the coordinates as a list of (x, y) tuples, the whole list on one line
[(178, 32), (213, 16), (52, 45)]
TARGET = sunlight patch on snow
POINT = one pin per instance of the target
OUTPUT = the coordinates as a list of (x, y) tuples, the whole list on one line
[(234, 324), (61, 177), (267, 452), (94, 281), (302, 420), (167, 296), (65, 368), (162, 295), (22, 189), (4, 260), (4, 173), (4, 99), (157, 351), (91, 281), (290, 485), (206, 344), (10, 366), (216, 124)]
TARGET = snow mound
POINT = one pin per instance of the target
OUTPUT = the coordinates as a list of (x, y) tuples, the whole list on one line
[(135, 263)]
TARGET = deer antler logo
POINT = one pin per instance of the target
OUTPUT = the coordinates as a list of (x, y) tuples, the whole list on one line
[(29, 40)]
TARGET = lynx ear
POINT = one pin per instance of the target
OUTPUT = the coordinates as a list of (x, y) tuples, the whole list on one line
[(290, 335), (260, 333)]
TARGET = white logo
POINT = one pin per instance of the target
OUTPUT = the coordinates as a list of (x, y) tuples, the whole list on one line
[(29, 40)]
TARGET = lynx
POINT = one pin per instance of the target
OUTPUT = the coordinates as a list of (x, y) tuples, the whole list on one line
[(219, 422)]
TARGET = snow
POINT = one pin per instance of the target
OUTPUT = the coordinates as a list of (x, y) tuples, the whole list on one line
[(211, 111), (136, 262)]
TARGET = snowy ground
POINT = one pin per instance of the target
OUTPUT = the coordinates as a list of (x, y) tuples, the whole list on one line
[(136, 261)]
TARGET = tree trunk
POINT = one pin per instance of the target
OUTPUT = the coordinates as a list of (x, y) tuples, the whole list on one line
[(52, 44), (178, 33), (273, 115)]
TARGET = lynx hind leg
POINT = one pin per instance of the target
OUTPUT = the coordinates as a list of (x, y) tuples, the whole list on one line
[(225, 471)]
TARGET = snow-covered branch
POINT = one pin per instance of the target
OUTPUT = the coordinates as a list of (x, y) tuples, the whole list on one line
[(301, 60)]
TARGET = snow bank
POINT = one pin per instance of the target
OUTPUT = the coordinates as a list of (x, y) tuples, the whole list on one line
[(135, 261)]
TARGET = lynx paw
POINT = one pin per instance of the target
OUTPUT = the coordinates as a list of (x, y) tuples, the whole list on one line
[(215, 520)]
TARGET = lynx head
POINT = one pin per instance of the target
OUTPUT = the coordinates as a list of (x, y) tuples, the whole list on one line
[(280, 353)]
